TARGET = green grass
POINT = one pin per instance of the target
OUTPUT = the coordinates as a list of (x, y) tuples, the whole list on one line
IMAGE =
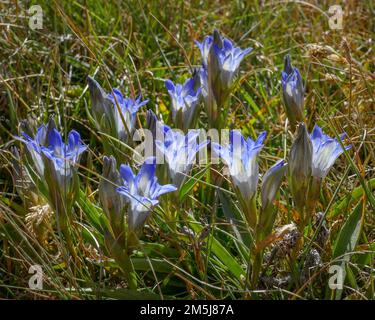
[(135, 46)]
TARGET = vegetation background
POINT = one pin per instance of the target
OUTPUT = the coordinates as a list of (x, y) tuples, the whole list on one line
[(135, 46)]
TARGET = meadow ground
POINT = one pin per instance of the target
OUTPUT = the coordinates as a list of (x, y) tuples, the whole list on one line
[(195, 244)]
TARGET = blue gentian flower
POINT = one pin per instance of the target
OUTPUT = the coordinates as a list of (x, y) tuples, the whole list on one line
[(179, 151), (129, 109), (229, 56), (56, 165), (325, 152), (50, 144), (293, 92), (240, 155), (64, 157), (221, 61), (142, 191), (107, 115), (185, 99)]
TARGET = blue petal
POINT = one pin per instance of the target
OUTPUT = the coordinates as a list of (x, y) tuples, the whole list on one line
[(127, 175), (280, 163), (48, 153), (169, 85), (247, 51), (188, 87), (228, 45), (235, 135), (41, 135), (146, 174), (30, 143), (125, 192), (317, 132), (118, 95), (55, 142), (144, 102), (73, 140), (260, 139), (164, 189)]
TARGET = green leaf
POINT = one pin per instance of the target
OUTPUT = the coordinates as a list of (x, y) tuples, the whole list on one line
[(159, 249), (143, 264), (94, 214), (366, 258), (232, 214), (347, 240), (253, 105), (220, 252), (189, 185), (341, 206)]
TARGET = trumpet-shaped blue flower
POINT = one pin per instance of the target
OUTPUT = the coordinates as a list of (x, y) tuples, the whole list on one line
[(50, 144), (293, 92), (185, 99), (63, 156), (106, 113), (179, 151), (240, 155), (142, 191), (129, 109), (56, 164), (229, 56), (325, 152), (221, 61)]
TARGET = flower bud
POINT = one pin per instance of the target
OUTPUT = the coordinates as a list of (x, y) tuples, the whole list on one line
[(270, 186), (101, 105), (272, 181), (293, 92), (300, 166), (112, 202)]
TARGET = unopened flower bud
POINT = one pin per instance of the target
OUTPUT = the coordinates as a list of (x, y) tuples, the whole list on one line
[(300, 166)]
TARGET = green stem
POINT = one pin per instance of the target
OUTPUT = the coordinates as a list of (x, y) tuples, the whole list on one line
[(257, 264)]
